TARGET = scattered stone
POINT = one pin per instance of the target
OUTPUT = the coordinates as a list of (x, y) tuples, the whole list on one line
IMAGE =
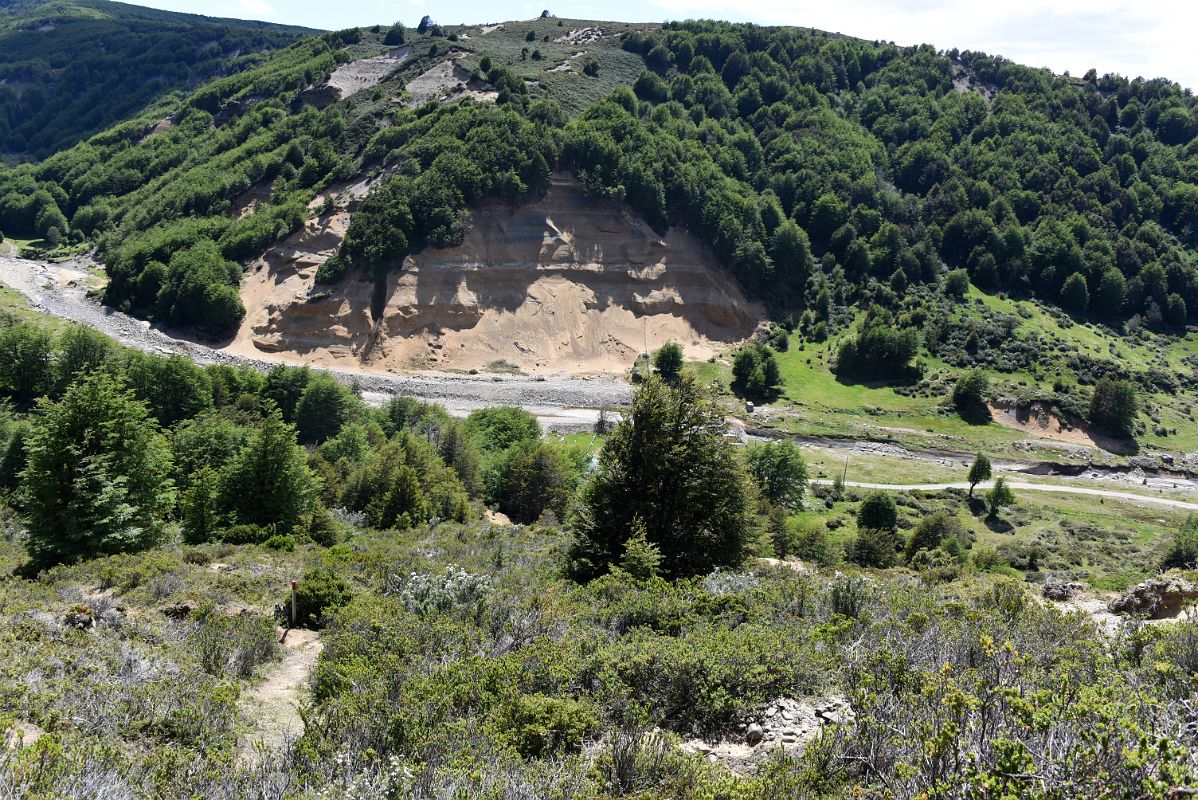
[(80, 617), (1055, 589), (113, 617), (754, 734), (1158, 598), (180, 610)]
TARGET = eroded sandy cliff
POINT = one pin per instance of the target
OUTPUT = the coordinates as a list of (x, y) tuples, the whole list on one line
[(566, 283)]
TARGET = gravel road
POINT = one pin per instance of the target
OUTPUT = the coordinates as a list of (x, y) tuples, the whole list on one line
[(1028, 487), (561, 402)]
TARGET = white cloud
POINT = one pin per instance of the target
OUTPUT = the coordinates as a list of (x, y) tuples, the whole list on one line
[(1149, 39)]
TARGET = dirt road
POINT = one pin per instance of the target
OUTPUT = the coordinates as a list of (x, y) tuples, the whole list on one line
[(1021, 487), (561, 402)]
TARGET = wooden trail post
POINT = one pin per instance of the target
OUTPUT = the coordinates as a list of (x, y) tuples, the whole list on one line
[(293, 585)]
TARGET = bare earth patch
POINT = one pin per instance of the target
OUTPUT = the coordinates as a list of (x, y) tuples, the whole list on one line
[(582, 35), (448, 82), (1037, 419), (367, 73), (786, 725), (565, 284), (271, 710)]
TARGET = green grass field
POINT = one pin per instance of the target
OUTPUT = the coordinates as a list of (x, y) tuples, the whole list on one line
[(814, 401)]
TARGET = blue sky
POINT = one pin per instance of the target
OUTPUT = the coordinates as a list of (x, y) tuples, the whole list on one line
[(1150, 38)]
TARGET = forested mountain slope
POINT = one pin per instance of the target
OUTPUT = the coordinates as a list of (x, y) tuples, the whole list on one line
[(825, 172), (70, 68)]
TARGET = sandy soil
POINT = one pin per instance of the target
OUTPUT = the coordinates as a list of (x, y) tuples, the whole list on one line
[(248, 201), (582, 35), (271, 710), (1038, 420), (447, 82), (60, 290), (366, 73), (566, 284)]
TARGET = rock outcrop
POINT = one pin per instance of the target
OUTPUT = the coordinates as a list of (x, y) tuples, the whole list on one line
[(1157, 598)]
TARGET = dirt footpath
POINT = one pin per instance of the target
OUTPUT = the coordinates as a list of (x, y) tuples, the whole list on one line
[(271, 709)]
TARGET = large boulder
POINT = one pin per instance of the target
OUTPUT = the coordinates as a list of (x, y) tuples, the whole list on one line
[(1059, 590), (1158, 598)]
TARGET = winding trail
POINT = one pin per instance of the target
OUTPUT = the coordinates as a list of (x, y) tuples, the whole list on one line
[(272, 708), (1105, 494)]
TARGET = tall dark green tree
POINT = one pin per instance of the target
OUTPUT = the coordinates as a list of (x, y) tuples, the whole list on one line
[(284, 386), (668, 361), (780, 472), (534, 479), (26, 363), (667, 467), (877, 512), (980, 471), (322, 409), (268, 482), (173, 388), (1113, 406), (81, 351), (98, 475)]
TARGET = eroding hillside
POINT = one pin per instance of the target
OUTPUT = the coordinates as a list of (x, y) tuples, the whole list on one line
[(565, 283)]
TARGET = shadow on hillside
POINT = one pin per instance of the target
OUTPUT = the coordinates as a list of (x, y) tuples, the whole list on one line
[(997, 524), (975, 414)]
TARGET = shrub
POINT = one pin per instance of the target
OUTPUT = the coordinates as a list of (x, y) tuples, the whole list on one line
[(246, 534), (456, 589), (874, 548), (936, 566), (849, 597), (324, 529), (812, 544), (319, 591), (233, 646), (540, 725), (1183, 550), (931, 531), (642, 558), (283, 542), (877, 512)]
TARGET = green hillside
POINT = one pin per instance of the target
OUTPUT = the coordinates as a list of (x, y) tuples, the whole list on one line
[(70, 68), (859, 188)]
